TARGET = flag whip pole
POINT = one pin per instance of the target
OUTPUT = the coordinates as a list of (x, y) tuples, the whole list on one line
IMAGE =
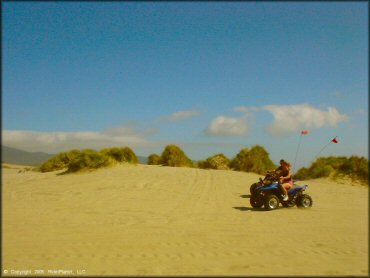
[(296, 154), (325, 147)]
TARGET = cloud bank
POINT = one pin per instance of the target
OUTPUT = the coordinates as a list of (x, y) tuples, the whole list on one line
[(53, 142), (293, 118), (286, 119)]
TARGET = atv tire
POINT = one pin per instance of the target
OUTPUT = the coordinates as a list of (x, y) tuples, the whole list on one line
[(271, 202), (256, 202), (304, 201)]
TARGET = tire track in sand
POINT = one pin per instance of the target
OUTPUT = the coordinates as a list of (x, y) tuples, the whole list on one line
[(180, 203)]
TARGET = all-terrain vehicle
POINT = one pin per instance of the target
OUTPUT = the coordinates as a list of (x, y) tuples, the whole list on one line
[(269, 195)]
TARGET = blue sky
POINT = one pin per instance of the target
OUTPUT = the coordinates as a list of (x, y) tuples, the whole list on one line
[(210, 77)]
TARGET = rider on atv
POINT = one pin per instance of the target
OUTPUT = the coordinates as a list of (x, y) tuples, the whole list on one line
[(273, 189), (284, 175), (285, 178), (279, 169), (274, 174)]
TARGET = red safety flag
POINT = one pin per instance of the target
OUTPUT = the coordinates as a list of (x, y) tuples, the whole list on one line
[(334, 140), (304, 132)]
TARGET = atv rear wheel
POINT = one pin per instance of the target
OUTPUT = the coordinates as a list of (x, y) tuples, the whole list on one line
[(271, 202), (256, 201), (304, 201)]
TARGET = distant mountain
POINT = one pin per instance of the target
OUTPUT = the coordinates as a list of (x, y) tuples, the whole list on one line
[(15, 156)]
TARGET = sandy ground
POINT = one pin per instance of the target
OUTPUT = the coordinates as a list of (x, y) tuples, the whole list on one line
[(152, 220)]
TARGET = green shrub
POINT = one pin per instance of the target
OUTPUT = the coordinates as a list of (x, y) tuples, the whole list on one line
[(130, 155), (354, 167), (59, 161), (90, 159), (255, 160), (241, 161), (357, 168), (322, 167), (218, 162), (174, 156), (121, 154), (303, 173), (202, 164), (76, 160), (114, 153), (154, 159), (322, 172)]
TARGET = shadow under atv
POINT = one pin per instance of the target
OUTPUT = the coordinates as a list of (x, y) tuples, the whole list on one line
[(249, 209), (246, 196), (257, 209)]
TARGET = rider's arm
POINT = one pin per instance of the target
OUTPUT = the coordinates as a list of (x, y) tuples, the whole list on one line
[(287, 177)]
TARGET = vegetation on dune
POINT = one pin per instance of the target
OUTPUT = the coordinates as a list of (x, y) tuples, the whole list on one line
[(356, 168), (77, 160), (255, 160), (154, 159), (121, 154), (59, 161), (174, 156), (218, 162), (90, 159)]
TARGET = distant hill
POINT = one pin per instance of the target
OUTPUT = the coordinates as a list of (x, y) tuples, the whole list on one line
[(15, 156)]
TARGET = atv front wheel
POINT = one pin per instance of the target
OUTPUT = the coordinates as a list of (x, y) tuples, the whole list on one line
[(304, 201), (255, 201), (271, 202)]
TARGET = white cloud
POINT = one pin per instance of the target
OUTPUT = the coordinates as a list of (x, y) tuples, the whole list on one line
[(53, 142), (293, 118), (227, 126), (180, 116)]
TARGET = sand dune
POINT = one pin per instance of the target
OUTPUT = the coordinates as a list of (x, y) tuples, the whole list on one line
[(151, 220)]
